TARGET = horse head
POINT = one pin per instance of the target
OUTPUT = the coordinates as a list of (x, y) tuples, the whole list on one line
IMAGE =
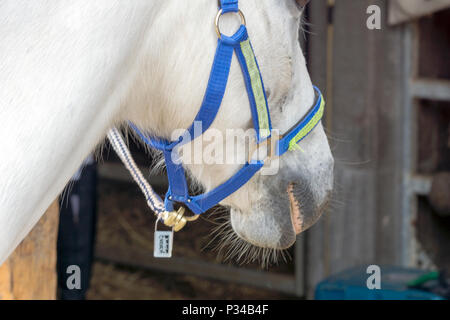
[(279, 203)]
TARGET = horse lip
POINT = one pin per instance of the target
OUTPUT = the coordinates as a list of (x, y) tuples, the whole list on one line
[(296, 215)]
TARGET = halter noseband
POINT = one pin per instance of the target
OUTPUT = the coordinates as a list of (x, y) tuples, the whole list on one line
[(238, 43)]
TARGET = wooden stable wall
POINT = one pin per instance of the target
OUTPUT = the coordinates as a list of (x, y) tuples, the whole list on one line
[(362, 73), (30, 272)]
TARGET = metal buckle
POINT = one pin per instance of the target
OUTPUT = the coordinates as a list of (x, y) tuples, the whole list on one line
[(217, 20), (270, 143), (176, 219)]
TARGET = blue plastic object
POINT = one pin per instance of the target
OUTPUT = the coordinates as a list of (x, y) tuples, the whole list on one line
[(351, 285)]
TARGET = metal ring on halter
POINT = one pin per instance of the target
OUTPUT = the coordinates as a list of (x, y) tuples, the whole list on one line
[(219, 14)]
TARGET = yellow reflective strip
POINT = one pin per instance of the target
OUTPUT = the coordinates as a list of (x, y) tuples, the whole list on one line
[(308, 128), (257, 88)]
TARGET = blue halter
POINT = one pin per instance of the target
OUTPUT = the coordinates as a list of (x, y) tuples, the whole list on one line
[(240, 44)]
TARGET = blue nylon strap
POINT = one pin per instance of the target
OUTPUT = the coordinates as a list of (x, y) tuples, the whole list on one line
[(201, 203), (217, 83), (251, 96), (283, 144), (229, 5), (176, 177), (156, 143)]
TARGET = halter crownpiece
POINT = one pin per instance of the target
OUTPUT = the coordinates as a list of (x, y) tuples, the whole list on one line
[(239, 44)]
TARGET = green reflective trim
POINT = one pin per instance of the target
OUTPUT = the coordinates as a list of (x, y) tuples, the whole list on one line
[(308, 128), (257, 88)]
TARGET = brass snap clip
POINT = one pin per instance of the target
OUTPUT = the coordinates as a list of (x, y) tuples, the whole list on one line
[(176, 219)]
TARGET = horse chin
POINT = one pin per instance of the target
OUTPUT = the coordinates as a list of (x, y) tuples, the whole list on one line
[(268, 224), (262, 229), (276, 220)]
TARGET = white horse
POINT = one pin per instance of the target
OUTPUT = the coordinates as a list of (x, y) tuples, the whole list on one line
[(70, 70)]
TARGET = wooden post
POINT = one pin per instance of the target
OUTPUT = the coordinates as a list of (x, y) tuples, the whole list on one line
[(364, 86), (30, 272)]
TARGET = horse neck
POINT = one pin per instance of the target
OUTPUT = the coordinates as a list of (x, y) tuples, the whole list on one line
[(64, 69)]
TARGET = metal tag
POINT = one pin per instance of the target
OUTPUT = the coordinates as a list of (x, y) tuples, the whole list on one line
[(163, 242)]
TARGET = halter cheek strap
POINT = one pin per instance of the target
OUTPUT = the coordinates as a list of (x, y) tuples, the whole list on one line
[(238, 43)]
